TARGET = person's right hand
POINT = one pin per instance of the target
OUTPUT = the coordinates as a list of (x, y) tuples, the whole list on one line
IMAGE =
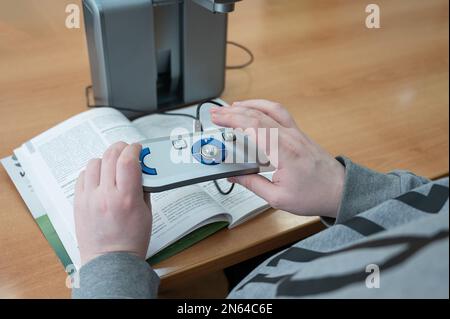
[(307, 180), (111, 211)]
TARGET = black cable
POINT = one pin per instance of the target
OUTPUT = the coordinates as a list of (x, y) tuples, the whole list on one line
[(228, 192), (199, 107), (195, 118), (247, 50)]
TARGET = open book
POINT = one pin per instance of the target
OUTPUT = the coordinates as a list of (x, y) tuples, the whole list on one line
[(53, 160)]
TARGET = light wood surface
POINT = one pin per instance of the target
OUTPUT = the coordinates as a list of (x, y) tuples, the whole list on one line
[(377, 96)]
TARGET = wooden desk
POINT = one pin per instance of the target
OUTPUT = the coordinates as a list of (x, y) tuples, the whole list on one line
[(378, 96)]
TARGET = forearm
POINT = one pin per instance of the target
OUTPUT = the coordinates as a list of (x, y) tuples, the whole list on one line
[(117, 275), (364, 189)]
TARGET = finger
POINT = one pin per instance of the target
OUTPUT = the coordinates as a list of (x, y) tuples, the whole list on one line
[(92, 175), (255, 124), (238, 122), (147, 200), (272, 109), (242, 118), (128, 170), (79, 185), (288, 133), (109, 163), (258, 184), (277, 112)]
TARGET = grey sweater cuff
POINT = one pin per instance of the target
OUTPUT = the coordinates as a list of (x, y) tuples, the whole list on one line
[(117, 275), (365, 189)]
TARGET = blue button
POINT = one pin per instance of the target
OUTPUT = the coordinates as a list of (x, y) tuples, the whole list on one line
[(145, 169)]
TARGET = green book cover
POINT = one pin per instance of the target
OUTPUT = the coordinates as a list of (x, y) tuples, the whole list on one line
[(194, 237)]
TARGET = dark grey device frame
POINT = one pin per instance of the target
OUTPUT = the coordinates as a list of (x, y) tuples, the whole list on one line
[(153, 55)]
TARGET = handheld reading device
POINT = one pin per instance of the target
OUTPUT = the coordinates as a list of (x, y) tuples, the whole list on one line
[(172, 162)]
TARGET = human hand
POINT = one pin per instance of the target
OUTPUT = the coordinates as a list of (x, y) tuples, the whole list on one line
[(307, 180), (111, 214)]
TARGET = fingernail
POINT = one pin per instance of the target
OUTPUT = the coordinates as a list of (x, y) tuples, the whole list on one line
[(231, 179)]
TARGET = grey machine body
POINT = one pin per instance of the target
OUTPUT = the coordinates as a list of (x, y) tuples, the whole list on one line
[(178, 168), (154, 55)]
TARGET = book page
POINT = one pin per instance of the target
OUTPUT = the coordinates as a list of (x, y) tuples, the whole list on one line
[(39, 212), (63, 229), (58, 155), (241, 203), (178, 212)]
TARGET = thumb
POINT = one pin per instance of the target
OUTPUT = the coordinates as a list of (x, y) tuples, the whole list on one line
[(258, 184), (148, 200)]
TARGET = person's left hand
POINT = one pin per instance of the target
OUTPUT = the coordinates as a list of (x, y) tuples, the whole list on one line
[(111, 214), (307, 181)]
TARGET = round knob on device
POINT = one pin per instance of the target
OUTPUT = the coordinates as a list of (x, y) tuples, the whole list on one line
[(209, 151)]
